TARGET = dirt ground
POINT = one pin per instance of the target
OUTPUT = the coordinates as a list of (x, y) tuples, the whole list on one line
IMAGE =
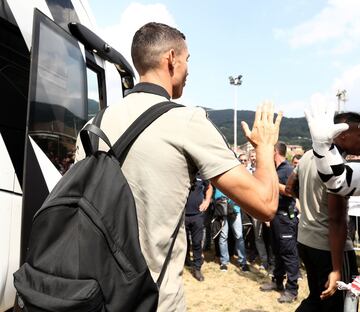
[(234, 290)]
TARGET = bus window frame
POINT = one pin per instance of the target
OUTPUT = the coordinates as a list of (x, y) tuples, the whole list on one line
[(100, 72)]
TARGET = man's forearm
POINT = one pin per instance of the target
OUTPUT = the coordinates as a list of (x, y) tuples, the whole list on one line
[(208, 193), (207, 198), (266, 174), (283, 191), (337, 242), (292, 185), (256, 194), (337, 229)]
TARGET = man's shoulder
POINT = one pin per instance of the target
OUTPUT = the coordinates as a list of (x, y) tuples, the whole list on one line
[(284, 166), (306, 159), (141, 101)]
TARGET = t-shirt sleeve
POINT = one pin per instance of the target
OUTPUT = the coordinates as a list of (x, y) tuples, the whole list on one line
[(207, 147), (339, 177)]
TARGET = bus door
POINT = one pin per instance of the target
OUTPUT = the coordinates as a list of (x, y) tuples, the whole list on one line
[(58, 107)]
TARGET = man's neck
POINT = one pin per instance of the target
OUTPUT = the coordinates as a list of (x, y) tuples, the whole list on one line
[(279, 160), (158, 78)]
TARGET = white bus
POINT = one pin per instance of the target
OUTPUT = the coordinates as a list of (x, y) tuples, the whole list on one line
[(53, 73)]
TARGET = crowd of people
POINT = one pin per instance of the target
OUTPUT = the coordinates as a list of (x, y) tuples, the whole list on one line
[(250, 240), (305, 226)]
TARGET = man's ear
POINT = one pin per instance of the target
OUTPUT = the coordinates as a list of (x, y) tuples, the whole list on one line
[(171, 61), (171, 58)]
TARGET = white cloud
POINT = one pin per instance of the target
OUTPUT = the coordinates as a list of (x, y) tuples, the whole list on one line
[(120, 37), (135, 15), (344, 46), (334, 30), (349, 81), (291, 109), (349, 78), (319, 98), (338, 22)]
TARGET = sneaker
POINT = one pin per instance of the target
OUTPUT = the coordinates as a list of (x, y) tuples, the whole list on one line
[(287, 297), (271, 286), (223, 268), (245, 268), (197, 275)]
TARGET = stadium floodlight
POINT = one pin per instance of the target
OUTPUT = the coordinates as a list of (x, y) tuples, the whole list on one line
[(235, 81), (342, 97)]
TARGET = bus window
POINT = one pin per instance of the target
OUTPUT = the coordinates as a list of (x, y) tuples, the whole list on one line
[(58, 100)]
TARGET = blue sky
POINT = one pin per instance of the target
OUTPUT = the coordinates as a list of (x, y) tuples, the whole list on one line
[(292, 52)]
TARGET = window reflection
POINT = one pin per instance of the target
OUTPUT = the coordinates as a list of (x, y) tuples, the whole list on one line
[(58, 106)]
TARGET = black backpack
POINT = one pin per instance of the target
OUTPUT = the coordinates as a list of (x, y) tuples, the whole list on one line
[(84, 252)]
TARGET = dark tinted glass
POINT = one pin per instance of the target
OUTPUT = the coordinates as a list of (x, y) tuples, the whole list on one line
[(58, 94)]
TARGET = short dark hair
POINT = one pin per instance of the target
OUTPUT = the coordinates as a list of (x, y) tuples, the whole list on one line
[(150, 41), (296, 156), (347, 117), (281, 148)]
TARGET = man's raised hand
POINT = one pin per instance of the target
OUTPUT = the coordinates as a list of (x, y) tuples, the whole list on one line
[(265, 130), (320, 118)]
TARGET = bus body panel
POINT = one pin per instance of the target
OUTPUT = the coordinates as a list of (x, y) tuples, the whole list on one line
[(39, 129)]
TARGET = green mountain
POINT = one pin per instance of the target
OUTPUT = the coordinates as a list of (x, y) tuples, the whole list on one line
[(292, 130)]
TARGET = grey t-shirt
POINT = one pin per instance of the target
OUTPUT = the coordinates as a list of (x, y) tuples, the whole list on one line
[(313, 228), (159, 168)]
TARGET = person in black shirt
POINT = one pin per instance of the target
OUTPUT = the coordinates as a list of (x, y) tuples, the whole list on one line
[(198, 201), (284, 234)]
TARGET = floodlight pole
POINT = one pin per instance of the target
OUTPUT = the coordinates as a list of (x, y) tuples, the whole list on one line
[(341, 96), (235, 81)]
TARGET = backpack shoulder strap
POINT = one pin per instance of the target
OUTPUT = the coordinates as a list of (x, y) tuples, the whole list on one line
[(123, 144), (97, 122), (86, 140), (90, 143), (168, 256)]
